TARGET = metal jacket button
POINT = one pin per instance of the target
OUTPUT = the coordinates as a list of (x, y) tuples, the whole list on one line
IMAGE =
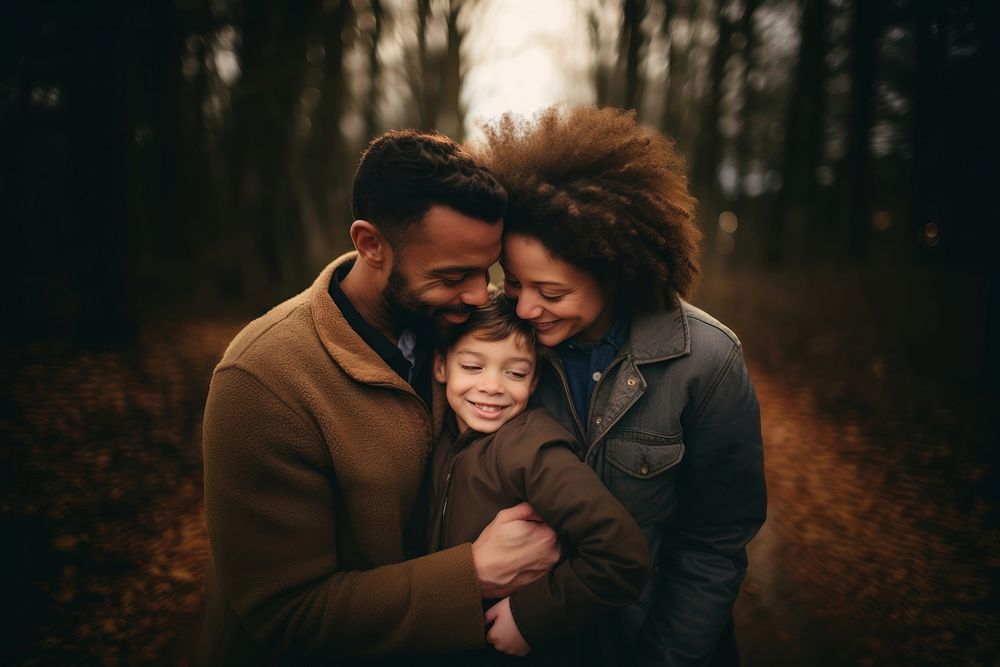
[(644, 469), (598, 420), (631, 381)]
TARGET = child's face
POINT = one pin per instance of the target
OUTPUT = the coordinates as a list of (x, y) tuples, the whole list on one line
[(487, 382)]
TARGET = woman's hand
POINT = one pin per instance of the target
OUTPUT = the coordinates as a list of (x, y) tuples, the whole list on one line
[(512, 551), (504, 635)]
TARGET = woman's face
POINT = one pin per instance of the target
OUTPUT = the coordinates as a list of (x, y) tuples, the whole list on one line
[(560, 300)]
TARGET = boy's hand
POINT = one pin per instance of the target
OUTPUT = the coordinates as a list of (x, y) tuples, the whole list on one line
[(504, 635), (512, 551)]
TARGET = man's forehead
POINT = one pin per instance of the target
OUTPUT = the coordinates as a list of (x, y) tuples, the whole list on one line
[(456, 246)]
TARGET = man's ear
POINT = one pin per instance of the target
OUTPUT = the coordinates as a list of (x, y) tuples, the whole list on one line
[(439, 370), (372, 247)]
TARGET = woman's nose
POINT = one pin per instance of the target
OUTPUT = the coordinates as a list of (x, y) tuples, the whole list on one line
[(528, 307)]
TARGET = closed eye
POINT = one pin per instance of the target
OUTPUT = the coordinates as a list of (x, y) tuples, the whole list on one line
[(453, 280)]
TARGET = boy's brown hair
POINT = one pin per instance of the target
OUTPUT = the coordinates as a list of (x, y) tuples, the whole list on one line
[(495, 320)]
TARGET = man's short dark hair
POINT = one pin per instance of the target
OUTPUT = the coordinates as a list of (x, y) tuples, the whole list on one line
[(404, 172)]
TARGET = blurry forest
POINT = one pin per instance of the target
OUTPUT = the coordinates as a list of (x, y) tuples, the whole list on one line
[(171, 169)]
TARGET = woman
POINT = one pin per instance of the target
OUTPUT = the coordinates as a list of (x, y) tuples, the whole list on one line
[(600, 248)]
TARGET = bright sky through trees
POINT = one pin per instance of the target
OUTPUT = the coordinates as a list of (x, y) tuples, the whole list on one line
[(524, 55)]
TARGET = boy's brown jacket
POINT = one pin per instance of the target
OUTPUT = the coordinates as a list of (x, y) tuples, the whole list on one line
[(314, 454), (531, 458)]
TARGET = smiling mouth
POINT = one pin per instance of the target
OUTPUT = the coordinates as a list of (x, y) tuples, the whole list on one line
[(455, 317), (488, 408), (545, 326)]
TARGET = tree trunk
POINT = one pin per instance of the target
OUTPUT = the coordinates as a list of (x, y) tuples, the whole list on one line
[(865, 31), (632, 44), (602, 73), (803, 137), (709, 153), (745, 145), (451, 116), (423, 80), (374, 72), (331, 182), (267, 225), (676, 104)]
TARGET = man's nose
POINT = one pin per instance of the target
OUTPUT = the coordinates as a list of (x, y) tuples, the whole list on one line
[(478, 293)]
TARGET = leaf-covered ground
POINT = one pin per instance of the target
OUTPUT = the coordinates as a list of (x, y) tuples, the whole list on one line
[(101, 503)]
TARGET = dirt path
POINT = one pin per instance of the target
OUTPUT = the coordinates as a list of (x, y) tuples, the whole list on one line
[(864, 559)]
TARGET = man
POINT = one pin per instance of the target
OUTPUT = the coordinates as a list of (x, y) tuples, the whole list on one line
[(317, 428)]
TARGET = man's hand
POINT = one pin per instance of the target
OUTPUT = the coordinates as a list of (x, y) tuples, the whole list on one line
[(504, 635), (514, 550)]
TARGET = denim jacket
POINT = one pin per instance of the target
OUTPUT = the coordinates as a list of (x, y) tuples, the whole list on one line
[(674, 433)]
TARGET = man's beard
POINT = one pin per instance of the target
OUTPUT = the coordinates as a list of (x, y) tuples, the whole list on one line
[(409, 312)]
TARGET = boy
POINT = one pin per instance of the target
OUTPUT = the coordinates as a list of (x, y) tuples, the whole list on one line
[(494, 453)]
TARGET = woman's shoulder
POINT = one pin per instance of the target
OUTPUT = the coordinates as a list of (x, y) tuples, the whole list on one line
[(683, 332), (707, 328)]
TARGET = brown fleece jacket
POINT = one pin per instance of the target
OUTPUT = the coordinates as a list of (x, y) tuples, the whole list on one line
[(314, 453)]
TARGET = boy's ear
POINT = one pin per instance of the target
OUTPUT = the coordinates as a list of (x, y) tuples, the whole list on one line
[(534, 382), (439, 372)]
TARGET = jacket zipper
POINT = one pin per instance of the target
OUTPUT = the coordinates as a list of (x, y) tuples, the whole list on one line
[(569, 396), (444, 504)]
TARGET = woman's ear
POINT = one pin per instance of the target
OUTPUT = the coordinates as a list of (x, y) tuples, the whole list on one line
[(440, 374), (371, 245)]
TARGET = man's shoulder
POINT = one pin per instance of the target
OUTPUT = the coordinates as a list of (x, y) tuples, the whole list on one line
[(284, 331), (295, 333)]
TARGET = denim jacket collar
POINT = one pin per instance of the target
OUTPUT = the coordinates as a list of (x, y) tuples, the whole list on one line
[(655, 336), (660, 335)]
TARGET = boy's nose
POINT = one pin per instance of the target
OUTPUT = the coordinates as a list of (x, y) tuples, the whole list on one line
[(490, 385)]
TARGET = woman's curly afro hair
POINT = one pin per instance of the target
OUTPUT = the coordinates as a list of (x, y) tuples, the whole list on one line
[(605, 194)]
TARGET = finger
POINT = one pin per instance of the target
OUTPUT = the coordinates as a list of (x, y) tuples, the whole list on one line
[(520, 512), (491, 614)]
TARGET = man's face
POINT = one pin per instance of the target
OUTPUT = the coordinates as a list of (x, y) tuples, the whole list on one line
[(440, 273)]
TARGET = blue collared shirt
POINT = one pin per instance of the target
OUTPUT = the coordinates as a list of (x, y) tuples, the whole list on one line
[(585, 364), (409, 358)]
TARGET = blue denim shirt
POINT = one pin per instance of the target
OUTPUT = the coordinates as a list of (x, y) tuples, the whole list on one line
[(585, 364)]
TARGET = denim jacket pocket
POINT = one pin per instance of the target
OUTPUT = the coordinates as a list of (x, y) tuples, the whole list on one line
[(640, 472)]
